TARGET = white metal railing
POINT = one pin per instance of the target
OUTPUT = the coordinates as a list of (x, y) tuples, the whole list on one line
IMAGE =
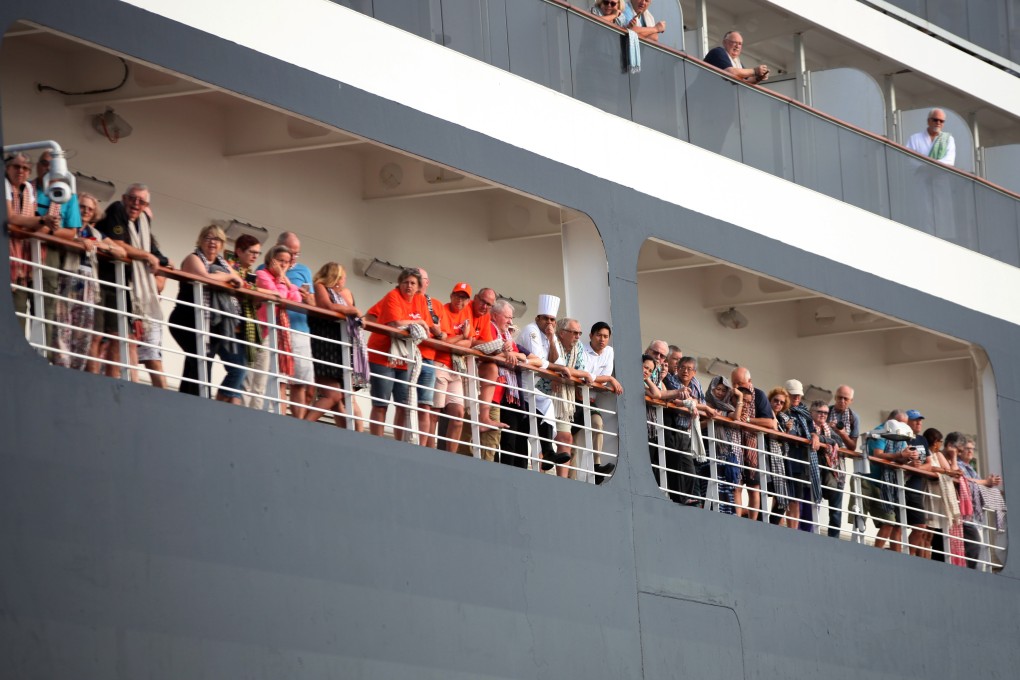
[(711, 485), (275, 396)]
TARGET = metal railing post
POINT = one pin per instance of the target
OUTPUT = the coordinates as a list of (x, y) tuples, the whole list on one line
[(534, 446), (37, 319), (347, 370), (273, 379), (586, 461), (712, 491), (660, 449), (473, 405), (201, 339), (763, 476), (120, 278), (901, 509)]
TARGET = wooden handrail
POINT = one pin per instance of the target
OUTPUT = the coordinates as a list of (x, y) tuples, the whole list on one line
[(789, 100), (260, 297)]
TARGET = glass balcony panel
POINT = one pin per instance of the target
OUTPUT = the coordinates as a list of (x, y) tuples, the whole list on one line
[(986, 23), (998, 220), (658, 94), (476, 28), (363, 6), (815, 152), (596, 63), (862, 165), (423, 18), (712, 111), (537, 34), (765, 135), (912, 183)]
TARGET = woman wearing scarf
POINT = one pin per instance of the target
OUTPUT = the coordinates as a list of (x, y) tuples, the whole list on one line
[(720, 397), (220, 310), (802, 463), (21, 212), (74, 342)]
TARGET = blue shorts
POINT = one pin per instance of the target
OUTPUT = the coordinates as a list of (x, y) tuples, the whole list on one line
[(384, 388), (427, 383)]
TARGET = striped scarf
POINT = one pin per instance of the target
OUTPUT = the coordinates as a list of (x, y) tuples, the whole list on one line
[(17, 247), (940, 147), (250, 331), (831, 453), (507, 376), (750, 438)]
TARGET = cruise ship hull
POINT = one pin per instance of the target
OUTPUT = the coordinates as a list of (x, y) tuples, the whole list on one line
[(152, 535)]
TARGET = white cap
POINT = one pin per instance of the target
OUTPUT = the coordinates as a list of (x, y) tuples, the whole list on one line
[(548, 305), (794, 387)]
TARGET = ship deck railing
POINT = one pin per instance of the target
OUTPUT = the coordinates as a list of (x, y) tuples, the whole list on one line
[(713, 489), (569, 50), (592, 400)]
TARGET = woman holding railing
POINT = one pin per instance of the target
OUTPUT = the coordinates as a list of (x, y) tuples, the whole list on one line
[(219, 310), (332, 294), (74, 341)]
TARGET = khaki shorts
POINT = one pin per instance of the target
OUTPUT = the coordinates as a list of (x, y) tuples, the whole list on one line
[(873, 503), (449, 387)]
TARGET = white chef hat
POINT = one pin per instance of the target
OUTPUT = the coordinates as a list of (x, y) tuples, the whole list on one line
[(548, 305)]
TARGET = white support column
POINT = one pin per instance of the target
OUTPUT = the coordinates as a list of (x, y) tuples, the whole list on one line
[(892, 114), (586, 288), (801, 74), (701, 23), (979, 152)]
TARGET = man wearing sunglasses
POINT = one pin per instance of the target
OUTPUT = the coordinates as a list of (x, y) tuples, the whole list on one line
[(934, 142)]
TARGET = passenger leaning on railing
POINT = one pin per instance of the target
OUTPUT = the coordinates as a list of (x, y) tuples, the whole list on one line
[(332, 294), (74, 342), (398, 308), (21, 212), (219, 314), (508, 403), (449, 398), (128, 222), (272, 277), (752, 406), (881, 497), (796, 420)]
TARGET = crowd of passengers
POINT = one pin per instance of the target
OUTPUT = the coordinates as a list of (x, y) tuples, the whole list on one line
[(943, 512), (87, 336)]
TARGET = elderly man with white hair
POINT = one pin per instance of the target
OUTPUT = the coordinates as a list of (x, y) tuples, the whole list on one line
[(934, 142)]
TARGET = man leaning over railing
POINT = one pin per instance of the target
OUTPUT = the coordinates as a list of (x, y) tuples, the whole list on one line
[(599, 359)]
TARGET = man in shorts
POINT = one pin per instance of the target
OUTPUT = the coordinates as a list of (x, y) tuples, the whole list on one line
[(449, 387)]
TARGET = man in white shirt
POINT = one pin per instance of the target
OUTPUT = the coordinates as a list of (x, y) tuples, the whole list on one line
[(599, 358), (935, 142)]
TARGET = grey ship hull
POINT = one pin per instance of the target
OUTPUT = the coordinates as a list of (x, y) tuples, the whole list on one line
[(149, 535)]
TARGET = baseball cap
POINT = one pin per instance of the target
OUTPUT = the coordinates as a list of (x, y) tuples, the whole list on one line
[(914, 414), (461, 287)]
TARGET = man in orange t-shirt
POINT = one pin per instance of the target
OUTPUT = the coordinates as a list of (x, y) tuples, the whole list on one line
[(449, 399), (480, 332), (431, 311)]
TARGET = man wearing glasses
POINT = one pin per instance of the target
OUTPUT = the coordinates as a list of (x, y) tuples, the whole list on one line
[(934, 142), (128, 221), (727, 58)]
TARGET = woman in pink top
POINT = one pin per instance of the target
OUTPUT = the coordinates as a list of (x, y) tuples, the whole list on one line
[(272, 279)]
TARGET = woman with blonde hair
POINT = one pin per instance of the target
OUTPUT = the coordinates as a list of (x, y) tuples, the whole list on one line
[(220, 309), (331, 294)]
